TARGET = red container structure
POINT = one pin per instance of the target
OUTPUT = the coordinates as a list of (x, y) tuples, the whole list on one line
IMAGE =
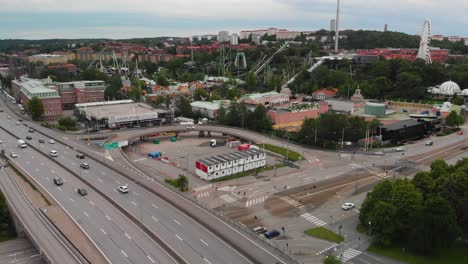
[(243, 147)]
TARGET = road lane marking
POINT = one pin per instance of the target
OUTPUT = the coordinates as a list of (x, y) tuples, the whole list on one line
[(206, 261), (179, 237), (123, 252), (102, 230), (99, 180), (91, 202), (47, 178), (108, 218), (117, 182), (203, 242), (59, 188), (52, 171), (152, 261), (155, 219), (136, 193), (154, 206), (133, 203), (128, 236), (72, 200), (177, 222), (86, 213)]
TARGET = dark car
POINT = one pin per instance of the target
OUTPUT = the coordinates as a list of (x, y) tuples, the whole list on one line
[(58, 181), (271, 234), (28, 137), (21, 119), (82, 191), (31, 130), (41, 141), (80, 155)]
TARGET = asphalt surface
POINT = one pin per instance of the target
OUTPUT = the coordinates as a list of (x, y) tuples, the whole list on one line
[(120, 240), (19, 251)]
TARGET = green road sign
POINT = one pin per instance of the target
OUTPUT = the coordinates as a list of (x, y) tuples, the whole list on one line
[(112, 145)]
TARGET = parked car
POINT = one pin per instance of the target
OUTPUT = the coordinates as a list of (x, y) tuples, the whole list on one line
[(123, 189), (430, 143), (18, 123), (51, 141), (271, 234), (80, 155), (28, 137), (13, 155), (53, 153), (31, 130), (82, 191), (41, 141), (400, 149), (347, 206), (58, 181), (21, 119), (84, 165)]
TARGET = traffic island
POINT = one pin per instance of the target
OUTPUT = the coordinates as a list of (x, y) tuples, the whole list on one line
[(323, 233)]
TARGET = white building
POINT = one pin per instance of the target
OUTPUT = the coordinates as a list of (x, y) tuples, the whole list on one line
[(223, 36), (259, 32), (454, 38), (332, 24), (209, 109), (466, 42), (286, 34), (257, 40), (234, 39), (229, 164)]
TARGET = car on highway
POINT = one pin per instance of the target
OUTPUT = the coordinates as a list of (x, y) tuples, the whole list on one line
[(347, 206), (123, 189), (53, 153), (41, 141), (430, 143), (1, 142), (13, 155), (31, 130), (260, 230), (80, 155), (28, 137), (84, 165), (400, 149), (18, 123), (51, 141), (82, 191), (21, 119), (9, 117), (271, 234), (58, 181)]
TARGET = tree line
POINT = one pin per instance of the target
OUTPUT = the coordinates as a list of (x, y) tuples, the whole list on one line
[(425, 214)]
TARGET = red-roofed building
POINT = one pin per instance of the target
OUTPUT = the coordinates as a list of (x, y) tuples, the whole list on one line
[(324, 94), (438, 55), (71, 68)]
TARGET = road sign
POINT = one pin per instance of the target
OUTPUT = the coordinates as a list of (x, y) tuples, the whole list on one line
[(123, 143), (112, 145)]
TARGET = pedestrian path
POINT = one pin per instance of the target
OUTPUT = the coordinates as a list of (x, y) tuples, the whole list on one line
[(227, 198), (203, 188), (313, 219), (349, 254), (292, 202), (255, 201)]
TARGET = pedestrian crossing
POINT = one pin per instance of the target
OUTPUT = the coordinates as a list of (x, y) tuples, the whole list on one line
[(203, 195), (227, 198), (291, 201), (313, 219), (326, 249), (378, 174), (349, 254), (255, 201), (203, 188)]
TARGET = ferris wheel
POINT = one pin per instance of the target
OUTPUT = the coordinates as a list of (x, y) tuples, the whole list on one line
[(424, 52)]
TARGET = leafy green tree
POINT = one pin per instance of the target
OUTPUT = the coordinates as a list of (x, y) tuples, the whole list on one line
[(161, 79), (7, 227), (250, 81), (35, 107), (383, 223), (135, 93), (183, 107), (331, 260), (222, 116), (261, 120), (182, 183), (92, 75), (424, 182), (200, 95), (114, 89), (67, 122), (454, 119)]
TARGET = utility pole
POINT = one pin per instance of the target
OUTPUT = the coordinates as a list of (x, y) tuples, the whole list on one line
[(342, 138), (337, 27)]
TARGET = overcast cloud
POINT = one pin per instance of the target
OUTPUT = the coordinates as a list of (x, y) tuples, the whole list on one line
[(147, 18)]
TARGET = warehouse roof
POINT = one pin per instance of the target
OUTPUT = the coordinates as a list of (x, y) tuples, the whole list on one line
[(230, 157), (401, 124)]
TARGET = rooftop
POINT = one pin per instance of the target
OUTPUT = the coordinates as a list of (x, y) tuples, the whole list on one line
[(31, 87), (207, 105), (121, 112), (256, 96), (401, 124)]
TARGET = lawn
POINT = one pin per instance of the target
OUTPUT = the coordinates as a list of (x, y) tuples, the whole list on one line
[(324, 233), (458, 254), (292, 156)]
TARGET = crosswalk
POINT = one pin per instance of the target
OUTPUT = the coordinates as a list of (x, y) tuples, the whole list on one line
[(292, 202), (378, 174), (255, 201), (313, 219), (227, 198), (326, 249), (349, 254), (203, 195), (202, 188)]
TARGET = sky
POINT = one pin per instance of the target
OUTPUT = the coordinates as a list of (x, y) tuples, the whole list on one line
[(44, 19)]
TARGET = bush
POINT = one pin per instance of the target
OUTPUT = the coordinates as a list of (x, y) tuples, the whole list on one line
[(67, 122)]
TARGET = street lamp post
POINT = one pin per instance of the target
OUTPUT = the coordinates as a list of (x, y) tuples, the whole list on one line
[(370, 228)]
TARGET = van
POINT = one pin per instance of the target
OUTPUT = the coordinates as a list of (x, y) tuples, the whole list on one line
[(22, 144), (53, 153), (259, 230), (271, 234)]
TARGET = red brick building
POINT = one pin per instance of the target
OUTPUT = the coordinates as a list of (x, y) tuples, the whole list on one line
[(294, 116), (81, 92)]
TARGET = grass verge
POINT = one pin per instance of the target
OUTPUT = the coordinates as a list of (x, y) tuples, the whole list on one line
[(292, 155), (28, 182), (457, 254), (247, 173), (361, 229), (323, 233)]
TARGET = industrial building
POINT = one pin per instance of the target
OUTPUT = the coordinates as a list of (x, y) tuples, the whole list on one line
[(81, 92), (407, 130), (121, 114), (210, 109), (229, 164)]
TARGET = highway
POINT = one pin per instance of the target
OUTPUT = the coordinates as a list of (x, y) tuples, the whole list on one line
[(119, 239), (191, 241)]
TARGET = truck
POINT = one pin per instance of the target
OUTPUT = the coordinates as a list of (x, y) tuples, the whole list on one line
[(213, 143), (22, 144)]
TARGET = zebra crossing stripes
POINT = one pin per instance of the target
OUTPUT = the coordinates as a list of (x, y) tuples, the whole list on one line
[(349, 254), (203, 188), (203, 195), (291, 201), (227, 198), (313, 219), (255, 201), (326, 249)]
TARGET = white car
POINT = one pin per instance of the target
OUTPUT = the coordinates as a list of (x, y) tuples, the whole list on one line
[(18, 123), (13, 155), (400, 149), (53, 153), (123, 189), (347, 206), (9, 117), (51, 141), (1, 142)]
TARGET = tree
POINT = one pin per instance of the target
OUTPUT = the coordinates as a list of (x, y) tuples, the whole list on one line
[(67, 122), (182, 183), (161, 79), (114, 89), (183, 107), (200, 95), (454, 119), (331, 260), (250, 81), (35, 107), (261, 120)]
